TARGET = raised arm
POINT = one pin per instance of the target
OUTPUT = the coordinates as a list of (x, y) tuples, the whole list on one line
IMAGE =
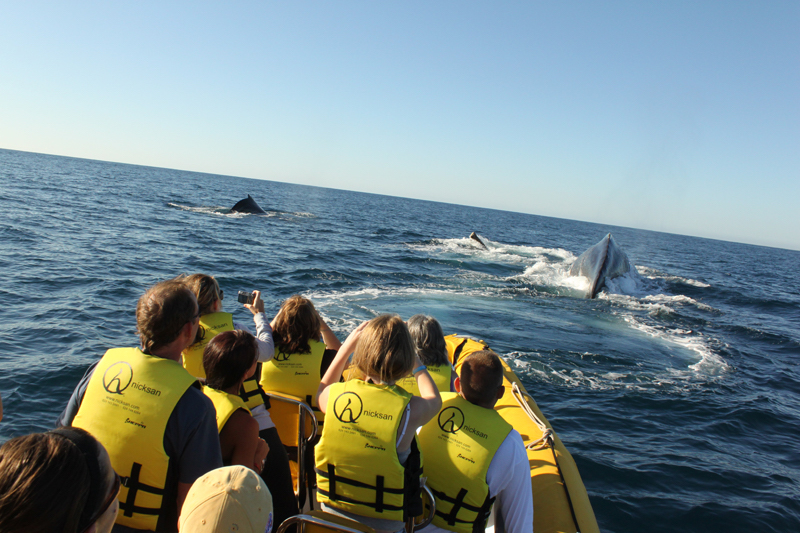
[(334, 372), (266, 345), (423, 407), (328, 336)]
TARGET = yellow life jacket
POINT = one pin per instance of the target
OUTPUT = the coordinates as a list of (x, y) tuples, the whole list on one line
[(213, 324), (127, 404), (250, 391), (295, 374), (458, 348), (357, 466), (459, 445), (225, 404), (439, 373)]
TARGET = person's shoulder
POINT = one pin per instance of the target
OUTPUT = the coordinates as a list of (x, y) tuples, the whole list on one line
[(194, 402), (243, 422)]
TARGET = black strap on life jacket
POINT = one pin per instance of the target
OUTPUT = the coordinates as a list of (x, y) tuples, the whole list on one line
[(246, 395), (132, 483), (458, 350), (380, 489), (482, 512)]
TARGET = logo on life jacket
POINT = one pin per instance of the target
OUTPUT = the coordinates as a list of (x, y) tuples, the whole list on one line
[(117, 377), (451, 419), (280, 356), (348, 407)]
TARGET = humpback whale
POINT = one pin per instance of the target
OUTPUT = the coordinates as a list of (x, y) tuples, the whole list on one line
[(248, 205), (474, 237), (605, 260)]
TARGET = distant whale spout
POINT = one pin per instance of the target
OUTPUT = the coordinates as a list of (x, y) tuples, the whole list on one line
[(248, 205), (605, 260), (474, 237)]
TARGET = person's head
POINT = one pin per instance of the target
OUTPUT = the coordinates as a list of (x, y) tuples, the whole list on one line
[(231, 498), (297, 322), (229, 358), (481, 380), (206, 289), (385, 349), (428, 338), (61, 480), (164, 312)]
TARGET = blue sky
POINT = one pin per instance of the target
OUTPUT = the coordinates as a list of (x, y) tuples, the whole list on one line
[(672, 116)]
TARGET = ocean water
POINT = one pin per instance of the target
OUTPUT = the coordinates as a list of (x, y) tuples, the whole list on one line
[(676, 390)]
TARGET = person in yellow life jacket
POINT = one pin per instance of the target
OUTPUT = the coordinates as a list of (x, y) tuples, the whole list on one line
[(228, 360), (157, 426), (276, 472), (426, 332), (368, 462), (475, 461), (304, 349)]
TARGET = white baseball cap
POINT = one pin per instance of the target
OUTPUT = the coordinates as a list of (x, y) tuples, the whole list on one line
[(226, 500)]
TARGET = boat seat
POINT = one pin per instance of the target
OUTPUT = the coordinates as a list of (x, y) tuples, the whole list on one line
[(297, 427)]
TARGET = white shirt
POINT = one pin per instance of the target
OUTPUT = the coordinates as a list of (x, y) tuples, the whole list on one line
[(509, 481), (266, 351)]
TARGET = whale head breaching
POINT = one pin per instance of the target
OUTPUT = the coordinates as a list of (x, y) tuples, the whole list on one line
[(605, 260), (248, 205), (474, 237)]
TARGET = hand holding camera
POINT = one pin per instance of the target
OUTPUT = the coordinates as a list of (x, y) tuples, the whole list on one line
[(252, 301)]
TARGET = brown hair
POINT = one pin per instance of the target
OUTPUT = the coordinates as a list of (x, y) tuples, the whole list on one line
[(205, 288), (426, 332), (297, 323), (385, 349), (162, 311), (227, 357), (481, 377), (44, 484)]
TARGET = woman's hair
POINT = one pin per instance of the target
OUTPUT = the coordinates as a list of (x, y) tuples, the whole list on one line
[(205, 288), (297, 323), (47, 484), (162, 311), (385, 349), (429, 339), (227, 357)]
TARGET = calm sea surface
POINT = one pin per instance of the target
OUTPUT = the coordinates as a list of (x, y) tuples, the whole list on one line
[(677, 392)]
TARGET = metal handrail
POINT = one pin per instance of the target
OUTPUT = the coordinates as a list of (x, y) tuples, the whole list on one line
[(428, 519), (302, 520)]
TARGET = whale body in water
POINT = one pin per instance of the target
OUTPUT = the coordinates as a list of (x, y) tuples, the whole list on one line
[(605, 260), (248, 205)]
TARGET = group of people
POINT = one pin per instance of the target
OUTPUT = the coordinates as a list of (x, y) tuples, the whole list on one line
[(151, 432)]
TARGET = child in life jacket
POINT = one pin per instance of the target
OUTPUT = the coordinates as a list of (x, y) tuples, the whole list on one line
[(368, 463), (228, 359)]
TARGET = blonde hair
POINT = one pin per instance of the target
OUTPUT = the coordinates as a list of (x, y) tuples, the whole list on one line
[(385, 349), (206, 289)]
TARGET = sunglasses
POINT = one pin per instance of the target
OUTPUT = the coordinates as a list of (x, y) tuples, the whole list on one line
[(109, 500)]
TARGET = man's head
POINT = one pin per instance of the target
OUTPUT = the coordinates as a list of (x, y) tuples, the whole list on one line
[(481, 380), (164, 313)]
